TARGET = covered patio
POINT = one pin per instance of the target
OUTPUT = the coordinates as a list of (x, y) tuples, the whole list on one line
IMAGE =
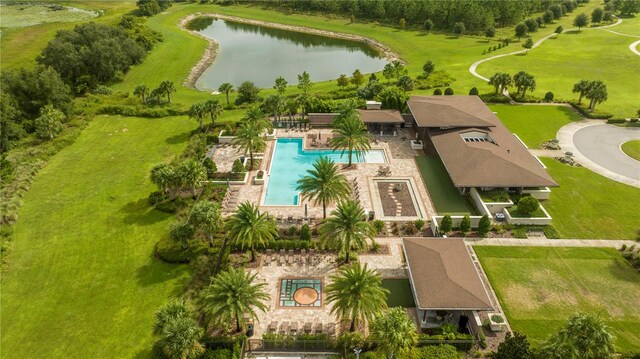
[(379, 122)]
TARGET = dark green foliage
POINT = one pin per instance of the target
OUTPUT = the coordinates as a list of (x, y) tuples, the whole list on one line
[(528, 205), (557, 11), (238, 167), (473, 91), (437, 92), (514, 346), (152, 7), (428, 68), (217, 354), (581, 20), (405, 83), (199, 23), (11, 130), (91, 54), (521, 30), (393, 97), (459, 28), (247, 92), (465, 224), (484, 225), (547, 16), (305, 232), (419, 223), (548, 96), (446, 224), (448, 91), (626, 7), (378, 225), (559, 30), (490, 32), (597, 15), (528, 44), (370, 90), (532, 25), (142, 34), (428, 25), (210, 166), (443, 351)]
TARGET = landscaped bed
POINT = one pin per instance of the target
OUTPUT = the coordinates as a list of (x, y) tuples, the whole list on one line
[(396, 199), (444, 195), (540, 287), (514, 212), (400, 294)]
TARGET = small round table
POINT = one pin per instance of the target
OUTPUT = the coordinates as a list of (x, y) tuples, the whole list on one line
[(305, 296)]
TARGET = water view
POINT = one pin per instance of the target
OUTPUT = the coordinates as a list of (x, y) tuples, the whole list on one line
[(260, 54)]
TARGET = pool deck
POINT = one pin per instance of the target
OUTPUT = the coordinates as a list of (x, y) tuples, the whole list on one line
[(401, 163)]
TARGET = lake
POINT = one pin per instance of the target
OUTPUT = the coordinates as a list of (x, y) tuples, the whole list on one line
[(260, 54)]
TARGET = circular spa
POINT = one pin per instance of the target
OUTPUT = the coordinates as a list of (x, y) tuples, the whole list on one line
[(300, 292)]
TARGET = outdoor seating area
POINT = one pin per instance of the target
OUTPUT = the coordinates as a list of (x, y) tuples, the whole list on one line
[(290, 257), (294, 328)]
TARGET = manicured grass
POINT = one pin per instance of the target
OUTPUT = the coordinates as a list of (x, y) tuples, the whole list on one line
[(444, 195), (559, 63), (587, 205), (82, 280), (534, 124), (632, 149), (540, 287), (400, 294)]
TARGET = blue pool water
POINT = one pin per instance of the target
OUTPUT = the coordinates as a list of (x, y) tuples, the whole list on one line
[(290, 163)]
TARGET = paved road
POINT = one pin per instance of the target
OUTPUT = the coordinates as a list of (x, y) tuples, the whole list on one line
[(544, 242), (601, 144)]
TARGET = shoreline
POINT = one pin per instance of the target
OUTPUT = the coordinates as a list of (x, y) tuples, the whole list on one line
[(210, 53)]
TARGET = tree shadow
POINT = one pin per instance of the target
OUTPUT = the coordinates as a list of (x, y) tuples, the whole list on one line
[(141, 213), (622, 270), (178, 138), (157, 271), (451, 37), (572, 32)]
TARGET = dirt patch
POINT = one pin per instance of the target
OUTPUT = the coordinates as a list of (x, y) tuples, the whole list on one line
[(210, 52), (531, 299), (396, 199)]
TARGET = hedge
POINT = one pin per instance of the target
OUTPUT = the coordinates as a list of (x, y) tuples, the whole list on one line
[(586, 112)]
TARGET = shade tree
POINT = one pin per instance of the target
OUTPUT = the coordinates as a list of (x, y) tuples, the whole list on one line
[(581, 21), (324, 184), (346, 230)]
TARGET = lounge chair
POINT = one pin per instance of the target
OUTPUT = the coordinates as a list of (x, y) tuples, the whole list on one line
[(269, 256), (307, 327), (312, 256), (273, 326), (284, 327), (331, 329), (293, 329), (318, 328), (291, 257)]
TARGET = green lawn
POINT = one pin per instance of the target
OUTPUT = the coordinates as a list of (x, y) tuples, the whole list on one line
[(587, 205), (444, 195), (534, 124), (632, 149), (400, 294), (82, 281), (540, 287), (559, 63)]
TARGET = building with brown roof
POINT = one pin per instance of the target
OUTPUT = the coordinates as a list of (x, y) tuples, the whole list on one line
[(444, 281), (476, 148)]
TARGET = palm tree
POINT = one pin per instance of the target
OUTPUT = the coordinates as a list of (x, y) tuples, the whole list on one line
[(597, 93), (233, 294), (206, 217), (169, 313), (346, 230), (303, 101), (357, 294), (394, 331), (226, 88), (324, 184), (254, 114), (181, 339), (500, 81), (582, 87), (191, 173), (583, 336), (351, 134), (197, 111), (141, 91), (167, 87), (250, 228), (162, 175), (250, 137), (214, 109)]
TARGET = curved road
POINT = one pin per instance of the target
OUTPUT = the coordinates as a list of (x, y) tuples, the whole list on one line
[(474, 66), (596, 146)]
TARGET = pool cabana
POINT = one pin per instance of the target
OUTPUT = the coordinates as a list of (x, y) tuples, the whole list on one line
[(379, 122), (445, 283)]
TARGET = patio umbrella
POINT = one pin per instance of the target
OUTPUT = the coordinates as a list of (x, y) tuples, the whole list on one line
[(319, 136), (305, 210)]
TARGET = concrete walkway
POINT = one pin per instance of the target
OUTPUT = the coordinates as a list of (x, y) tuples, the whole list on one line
[(544, 242), (633, 47), (590, 151), (546, 153)]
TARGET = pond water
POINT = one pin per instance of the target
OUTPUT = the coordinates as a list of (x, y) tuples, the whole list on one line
[(29, 14), (260, 54)]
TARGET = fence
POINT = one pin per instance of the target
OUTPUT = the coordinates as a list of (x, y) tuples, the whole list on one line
[(330, 346)]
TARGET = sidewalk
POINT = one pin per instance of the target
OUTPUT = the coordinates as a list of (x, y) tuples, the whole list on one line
[(543, 242)]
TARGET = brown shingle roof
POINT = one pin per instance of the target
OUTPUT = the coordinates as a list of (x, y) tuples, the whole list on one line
[(501, 162), (381, 116), (443, 275)]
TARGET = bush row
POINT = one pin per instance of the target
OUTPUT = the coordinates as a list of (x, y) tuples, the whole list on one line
[(138, 111), (586, 112)]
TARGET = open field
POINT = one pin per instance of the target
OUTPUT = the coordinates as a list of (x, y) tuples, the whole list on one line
[(82, 280), (632, 149), (443, 194), (587, 205), (534, 124), (539, 287), (560, 62)]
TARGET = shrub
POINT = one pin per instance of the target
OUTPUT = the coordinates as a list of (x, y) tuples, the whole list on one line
[(210, 166), (586, 112), (293, 230), (172, 251), (484, 226), (238, 167), (448, 91), (443, 351), (305, 232), (483, 340), (410, 228), (551, 232), (548, 96), (473, 91), (446, 224), (616, 120), (260, 174), (378, 225), (494, 98), (217, 354), (419, 223), (528, 205), (437, 92), (465, 224), (375, 247), (497, 318)]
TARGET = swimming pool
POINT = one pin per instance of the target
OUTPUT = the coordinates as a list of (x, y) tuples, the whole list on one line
[(290, 162)]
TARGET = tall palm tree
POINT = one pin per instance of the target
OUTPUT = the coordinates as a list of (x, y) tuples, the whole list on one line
[(162, 175), (346, 230), (214, 109), (351, 134), (141, 91), (168, 313), (582, 87), (255, 115), (181, 339), (394, 331), (250, 136), (324, 184), (226, 88), (197, 111), (191, 173), (205, 217), (167, 87), (583, 336), (250, 228), (357, 294), (233, 294)]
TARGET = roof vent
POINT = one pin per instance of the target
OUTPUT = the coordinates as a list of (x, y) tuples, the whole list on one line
[(476, 136)]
